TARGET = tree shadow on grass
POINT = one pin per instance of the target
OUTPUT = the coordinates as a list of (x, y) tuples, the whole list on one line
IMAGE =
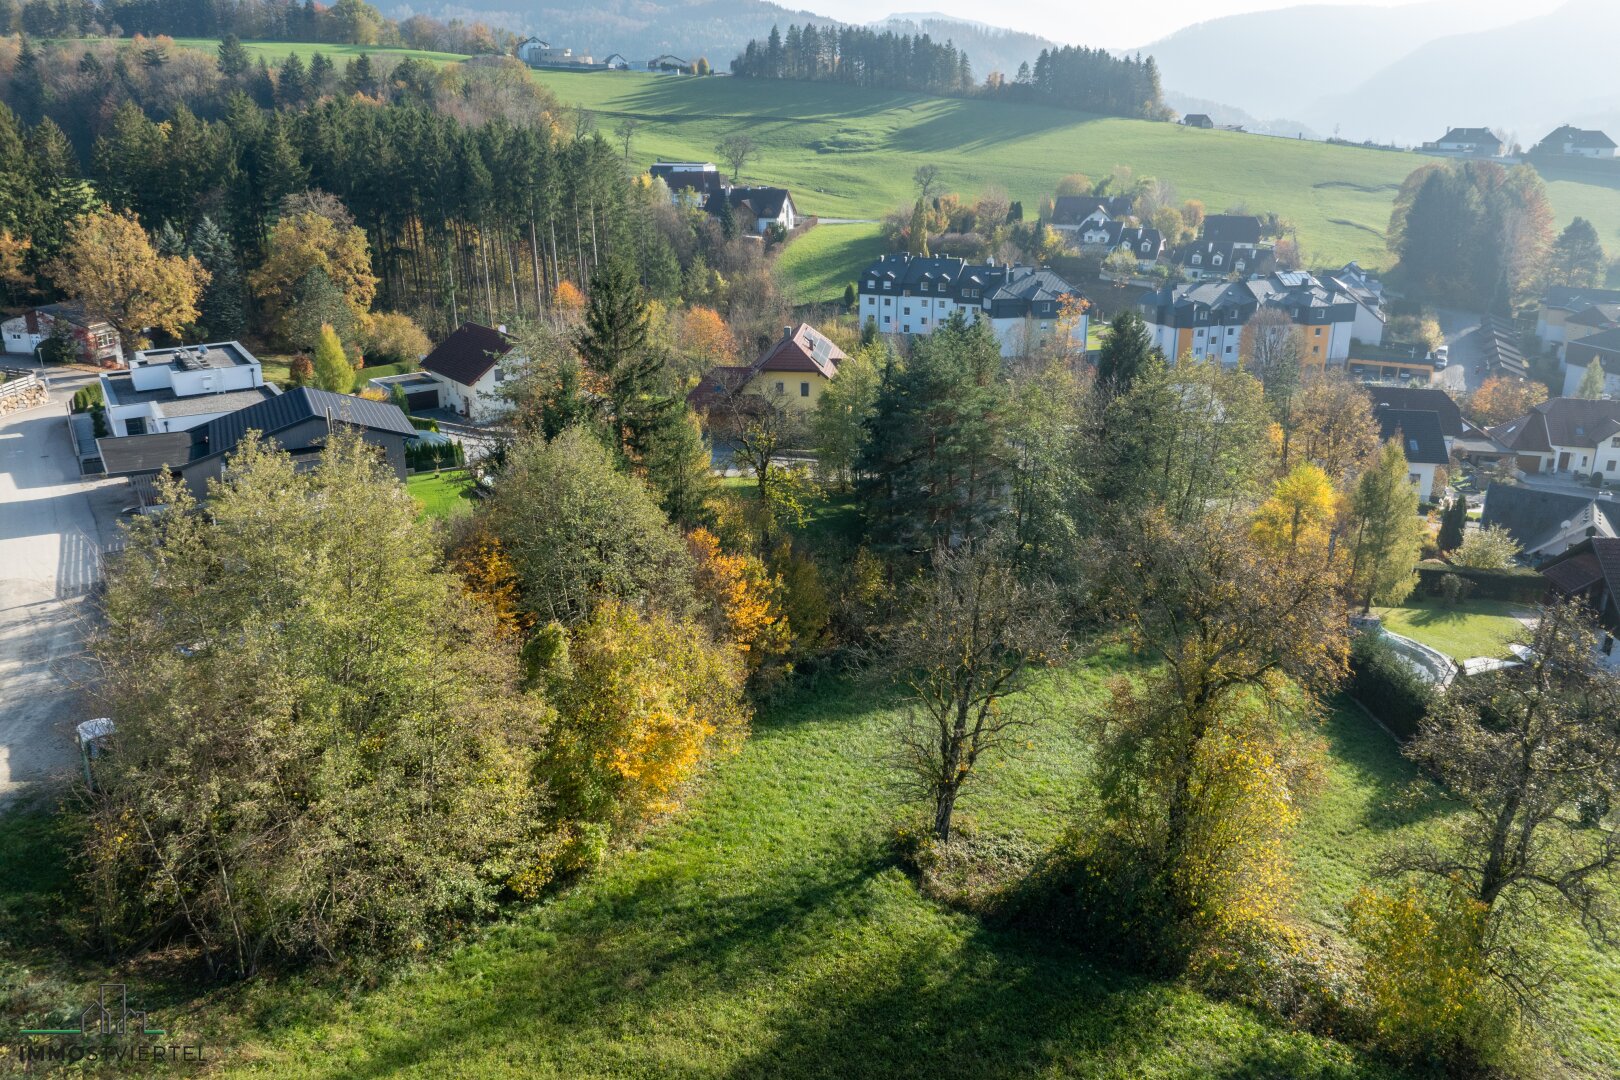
[(1372, 758)]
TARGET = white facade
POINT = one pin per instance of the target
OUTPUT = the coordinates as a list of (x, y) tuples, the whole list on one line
[(479, 402), (148, 398), (18, 339), (1421, 476), (911, 316)]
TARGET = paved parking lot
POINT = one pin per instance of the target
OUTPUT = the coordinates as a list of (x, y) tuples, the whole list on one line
[(52, 528)]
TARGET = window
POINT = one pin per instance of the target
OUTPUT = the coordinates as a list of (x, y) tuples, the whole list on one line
[(804, 389), (135, 425), (887, 320), (923, 287), (888, 284), (1317, 331), (906, 328), (908, 309), (1609, 465), (887, 302), (1198, 260), (781, 388)]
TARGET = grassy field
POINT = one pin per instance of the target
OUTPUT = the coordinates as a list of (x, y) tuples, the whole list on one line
[(850, 153), (1472, 628), (767, 931), (441, 495)]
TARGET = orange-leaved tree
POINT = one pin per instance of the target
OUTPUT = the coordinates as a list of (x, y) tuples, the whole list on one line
[(744, 598)]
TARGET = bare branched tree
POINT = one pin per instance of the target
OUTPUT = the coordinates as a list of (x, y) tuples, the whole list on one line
[(975, 635)]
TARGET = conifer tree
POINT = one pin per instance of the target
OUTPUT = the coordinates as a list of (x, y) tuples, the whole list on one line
[(1125, 350), (1591, 387), (1386, 531), (332, 368), (614, 345), (224, 302), (233, 59)]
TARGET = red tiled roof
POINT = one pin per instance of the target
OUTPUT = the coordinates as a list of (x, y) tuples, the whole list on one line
[(805, 349), (467, 355)]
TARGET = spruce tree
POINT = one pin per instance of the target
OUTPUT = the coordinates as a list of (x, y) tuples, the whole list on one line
[(726, 217), (320, 75), (224, 300), (293, 84), (614, 345), (1452, 523), (233, 59), (1126, 348)]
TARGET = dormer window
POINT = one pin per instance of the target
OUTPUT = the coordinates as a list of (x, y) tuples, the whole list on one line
[(1198, 260), (888, 284), (1216, 261)]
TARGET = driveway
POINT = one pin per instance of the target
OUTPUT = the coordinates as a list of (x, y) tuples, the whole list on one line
[(1461, 329), (52, 528)]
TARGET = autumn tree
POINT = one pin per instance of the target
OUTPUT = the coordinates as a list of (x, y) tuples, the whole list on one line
[(1532, 753), (838, 424), (644, 701), (13, 251), (332, 368), (307, 242), (1472, 231), (394, 338), (1299, 516), (580, 533), (1197, 771), (1274, 350), (1332, 425), (109, 264), (1501, 398), (1488, 548), (300, 773), (974, 635), (743, 599), (1386, 533)]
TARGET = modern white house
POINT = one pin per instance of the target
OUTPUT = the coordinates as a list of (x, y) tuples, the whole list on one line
[(910, 295), (468, 368), (181, 388), (18, 338)]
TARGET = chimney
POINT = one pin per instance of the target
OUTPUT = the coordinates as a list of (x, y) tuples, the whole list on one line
[(787, 331), (501, 328)]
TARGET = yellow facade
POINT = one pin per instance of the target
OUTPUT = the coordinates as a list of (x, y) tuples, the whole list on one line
[(798, 389)]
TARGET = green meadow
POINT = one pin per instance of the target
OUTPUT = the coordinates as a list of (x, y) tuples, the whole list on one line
[(850, 153)]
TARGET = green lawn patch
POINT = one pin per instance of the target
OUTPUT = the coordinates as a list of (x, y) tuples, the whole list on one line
[(442, 494), (824, 260), (1464, 631)]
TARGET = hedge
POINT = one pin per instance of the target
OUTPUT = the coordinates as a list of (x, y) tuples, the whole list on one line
[(1517, 586), (423, 423), (1386, 687)]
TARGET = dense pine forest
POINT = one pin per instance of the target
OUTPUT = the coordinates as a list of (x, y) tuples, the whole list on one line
[(1073, 77)]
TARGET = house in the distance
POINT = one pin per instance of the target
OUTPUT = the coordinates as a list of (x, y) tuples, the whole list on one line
[(1206, 321), (1561, 302), (1368, 293), (1566, 435), (1420, 436), (689, 179), (1078, 213), (1479, 142), (96, 340), (793, 371), (1242, 231), (756, 209), (178, 389), (1602, 346), (911, 295), (1590, 571), (1548, 523), (1197, 120), (1577, 142), (467, 366), (299, 422)]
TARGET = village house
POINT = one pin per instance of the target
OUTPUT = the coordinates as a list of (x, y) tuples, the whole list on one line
[(1577, 142), (1475, 141), (95, 339), (1206, 321), (1228, 246), (1368, 293), (756, 209), (1560, 303), (689, 179), (1078, 213), (1421, 438), (298, 422), (468, 368), (1567, 436), (912, 294), (1590, 571), (181, 388), (537, 53), (793, 371), (1548, 523), (1602, 346), (1198, 120)]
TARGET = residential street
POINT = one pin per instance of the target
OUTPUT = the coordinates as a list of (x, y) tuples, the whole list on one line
[(52, 527), (1462, 336)]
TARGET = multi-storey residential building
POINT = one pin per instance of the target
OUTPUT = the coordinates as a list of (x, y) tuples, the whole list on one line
[(912, 294), (1206, 321)]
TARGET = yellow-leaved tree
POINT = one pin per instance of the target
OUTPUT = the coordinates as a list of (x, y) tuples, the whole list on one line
[(644, 700), (302, 244), (744, 598), (109, 264), (1298, 517)]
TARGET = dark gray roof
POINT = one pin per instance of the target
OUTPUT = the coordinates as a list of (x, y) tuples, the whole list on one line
[(1563, 421), (1568, 298), (1073, 209), (172, 404), (1423, 398), (467, 354), (1482, 136), (763, 202), (294, 407), (136, 454), (1231, 229), (1580, 138), (1533, 516), (1418, 433)]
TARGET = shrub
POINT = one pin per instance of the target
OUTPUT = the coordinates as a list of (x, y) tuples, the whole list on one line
[(1426, 974), (1388, 689), (393, 338), (88, 397), (424, 423), (1517, 585)]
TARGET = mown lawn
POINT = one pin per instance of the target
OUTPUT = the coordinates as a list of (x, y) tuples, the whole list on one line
[(1464, 631), (443, 494)]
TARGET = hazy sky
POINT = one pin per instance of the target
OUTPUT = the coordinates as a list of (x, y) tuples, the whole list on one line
[(1115, 25)]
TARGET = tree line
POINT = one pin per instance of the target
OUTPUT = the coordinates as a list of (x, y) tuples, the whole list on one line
[(1090, 80)]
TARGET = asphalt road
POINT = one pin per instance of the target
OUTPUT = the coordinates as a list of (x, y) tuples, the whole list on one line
[(52, 527), (1462, 337)]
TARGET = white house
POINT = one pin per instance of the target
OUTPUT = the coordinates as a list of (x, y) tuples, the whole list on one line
[(1206, 320), (1368, 294), (1578, 142), (181, 388), (756, 209), (1479, 141), (1566, 435), (467, 366), (910, 295), (1422, 438), (19, 339)]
